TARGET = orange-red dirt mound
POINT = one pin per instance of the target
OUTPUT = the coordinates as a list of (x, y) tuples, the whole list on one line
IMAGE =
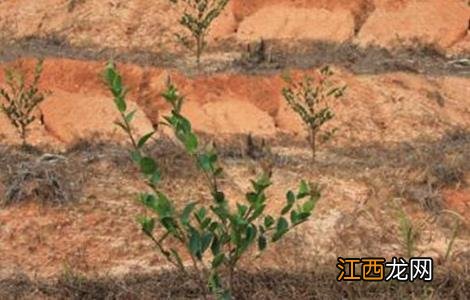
[(390, 107), (151, 25)]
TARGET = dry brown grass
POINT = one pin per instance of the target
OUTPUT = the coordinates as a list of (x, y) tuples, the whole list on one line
[(32, 175), (268, 284)]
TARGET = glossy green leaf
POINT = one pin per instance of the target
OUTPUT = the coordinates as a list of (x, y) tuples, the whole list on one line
[(148, 166), (130, 116), (120, 103), (304, 190), (262, 242), (144, 139), (147, 224), (282, 227), (136, 156), (190, 142), (218, 260), (219, 197), (268, 221), (188, 209), (206, 240), (195, 243), (290, 202), (215, 246), (308, 206)]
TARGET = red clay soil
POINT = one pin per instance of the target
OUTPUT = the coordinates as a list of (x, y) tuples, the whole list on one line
[(151, 25), (375, 158), (390, 107)]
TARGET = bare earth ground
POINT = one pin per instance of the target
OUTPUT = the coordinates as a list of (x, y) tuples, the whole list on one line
[(403, 142)]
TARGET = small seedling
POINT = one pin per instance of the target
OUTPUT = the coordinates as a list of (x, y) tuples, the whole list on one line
[(408, 233), (21, 100), (217, 235), (197, 18), (311, 99), (455, 232)]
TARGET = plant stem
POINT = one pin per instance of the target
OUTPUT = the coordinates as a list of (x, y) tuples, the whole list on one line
[(199, 48), (312, 142), (23, 135)]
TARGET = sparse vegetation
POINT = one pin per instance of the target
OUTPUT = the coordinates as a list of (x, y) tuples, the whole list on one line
[(455, 232), (197, 18), (46, 179), (214, 236), (408, 233), (21, 100), (311, 99)]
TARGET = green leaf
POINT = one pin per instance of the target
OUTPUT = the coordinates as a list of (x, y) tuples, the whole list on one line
[(190, 142), (308, 206), (206, 161), (304, 190), (220, 211), (201, 214), (177, 256), (251, 197), (144, 139), (110, 73), (148, 166), (123, 126), (135, 156), (281, 228), (120, 103), (164, 208), (218, 260), (149, 201), (219, 197), (205, 223), (241, 209), (155, 178), (215, 246), (206, 240), (169, 224), (130, 116), (297, 218), (290, 202), (282, 224), (250, 233), (261, 183), (258, 211), (147, 224), (188, 209), (268, 221), (262, 242), (195, 243), (213, 226)]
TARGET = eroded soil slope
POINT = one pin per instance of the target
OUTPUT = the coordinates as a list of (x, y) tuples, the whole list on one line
[(402, 137), (403, 140), (151, 25)]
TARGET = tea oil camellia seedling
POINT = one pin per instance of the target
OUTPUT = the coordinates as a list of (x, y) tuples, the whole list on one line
[(197, 18), (311, 99), (214, 236), (21, 100)]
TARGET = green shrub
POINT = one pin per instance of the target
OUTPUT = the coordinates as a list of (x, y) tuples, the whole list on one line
[(197, 18), (217, 235), (21, 99), (311, 100)]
